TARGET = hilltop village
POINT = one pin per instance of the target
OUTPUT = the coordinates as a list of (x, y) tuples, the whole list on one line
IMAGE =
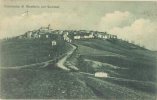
[(67, 35)]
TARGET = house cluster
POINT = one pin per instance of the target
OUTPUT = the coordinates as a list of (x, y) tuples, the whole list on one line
[(84, 34), (66, 35), (43, 32)]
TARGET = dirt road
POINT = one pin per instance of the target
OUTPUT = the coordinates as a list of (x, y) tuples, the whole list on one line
[(61, 62)]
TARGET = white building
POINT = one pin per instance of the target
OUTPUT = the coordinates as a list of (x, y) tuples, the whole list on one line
[(60, 32), (91, 36), (29, 34), (54, 43), (67, 33), (77, 37), (46, 29), (69, 40), (36, 35), (47, 36), (101, 74), (84, 36), (66, 38), (75, 33), (102, 36)]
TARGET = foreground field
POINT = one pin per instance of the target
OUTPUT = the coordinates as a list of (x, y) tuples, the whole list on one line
[(42, 83), (55, 83)]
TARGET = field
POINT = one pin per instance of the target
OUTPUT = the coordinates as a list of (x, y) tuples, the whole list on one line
[(42, 84), (28, 51), (136, 71)]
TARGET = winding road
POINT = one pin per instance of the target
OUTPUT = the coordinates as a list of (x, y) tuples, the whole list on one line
[(42, 64), (62, 61)]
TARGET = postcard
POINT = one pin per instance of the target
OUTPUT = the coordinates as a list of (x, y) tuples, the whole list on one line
[(68, 49)]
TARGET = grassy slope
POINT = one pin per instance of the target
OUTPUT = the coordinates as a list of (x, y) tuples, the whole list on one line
[(141, 65), (118, 47), (135, 64), (84, 50), (43, 84), (28, 51), (52, 82)]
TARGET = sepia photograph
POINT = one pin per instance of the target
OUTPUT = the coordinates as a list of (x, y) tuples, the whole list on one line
[(67, 49)]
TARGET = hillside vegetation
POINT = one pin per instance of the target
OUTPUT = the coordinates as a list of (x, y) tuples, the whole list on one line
[(134, 66), (131, 70)]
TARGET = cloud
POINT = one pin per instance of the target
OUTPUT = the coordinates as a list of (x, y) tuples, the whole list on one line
[(16, 25), (141, 31), (115, 19)]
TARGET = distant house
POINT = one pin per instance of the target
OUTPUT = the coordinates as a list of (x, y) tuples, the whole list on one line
[(22, 36), (39, 36), (45, 28), (83, 35), (32, 34), (47, 36), (69, 40), (29, 34), (56, 32), (75, 32), (102, 35), (101, 74), (77, 37), (60, 32), (54, 43), (36, 35), (114, 36), (66, 38), (67, 33)]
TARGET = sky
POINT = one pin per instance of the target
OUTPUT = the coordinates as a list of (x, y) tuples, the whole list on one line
[(132, 20)]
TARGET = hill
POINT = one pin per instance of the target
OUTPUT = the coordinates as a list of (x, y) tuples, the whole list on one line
[(131, 70)]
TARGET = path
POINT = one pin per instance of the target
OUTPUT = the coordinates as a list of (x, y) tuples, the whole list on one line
[(118, 79), (41, 64), (61, 62), (28, 66)]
